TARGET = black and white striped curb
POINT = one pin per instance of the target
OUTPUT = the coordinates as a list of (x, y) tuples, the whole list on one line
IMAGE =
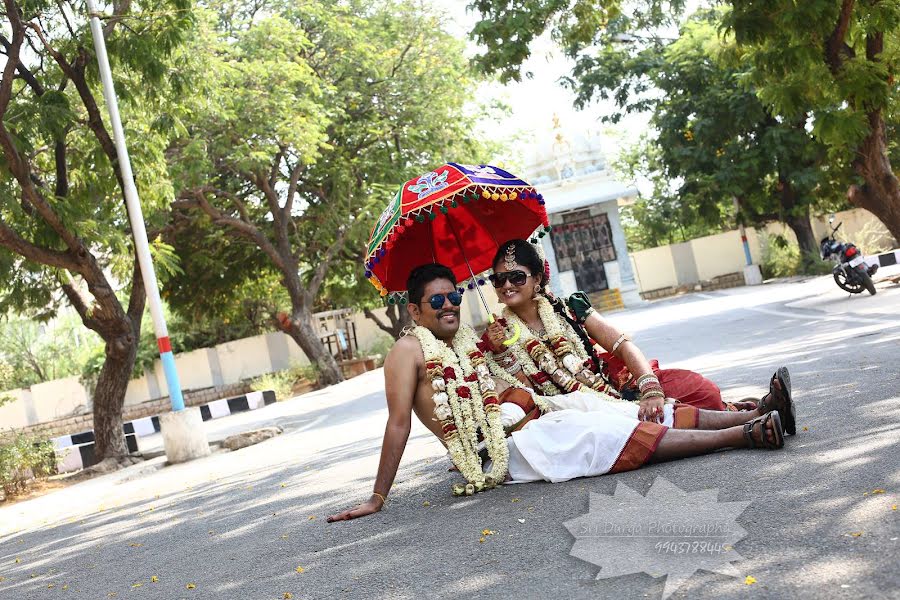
[(76, 451), (886, 259)]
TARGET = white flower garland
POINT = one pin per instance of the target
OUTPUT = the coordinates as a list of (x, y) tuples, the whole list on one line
[(465, 401), (565, 368)]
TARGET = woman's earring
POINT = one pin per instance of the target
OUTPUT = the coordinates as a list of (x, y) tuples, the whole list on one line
[(537, 289)]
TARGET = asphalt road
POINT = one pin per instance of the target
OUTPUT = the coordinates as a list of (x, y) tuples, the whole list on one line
[(238, 525)]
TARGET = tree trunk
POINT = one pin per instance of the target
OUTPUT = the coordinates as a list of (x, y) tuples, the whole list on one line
[(802, 228), (796, 216), (301, 331), (398, 316), (110, 396), (880, 194)]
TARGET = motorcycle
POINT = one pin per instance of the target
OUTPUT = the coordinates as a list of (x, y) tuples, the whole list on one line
[(851, 273)]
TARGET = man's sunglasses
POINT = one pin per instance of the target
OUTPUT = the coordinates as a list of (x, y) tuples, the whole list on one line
[(437, 301), (517, 278)]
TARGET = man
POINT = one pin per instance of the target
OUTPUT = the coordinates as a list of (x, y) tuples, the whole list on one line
[(608, 438)]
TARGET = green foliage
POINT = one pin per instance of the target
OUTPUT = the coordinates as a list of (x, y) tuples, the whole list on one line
[(351, 98), (284, 382), (781, 258), (23, 458), (379, 349), (796, 73), (32, 352), (508, 27)]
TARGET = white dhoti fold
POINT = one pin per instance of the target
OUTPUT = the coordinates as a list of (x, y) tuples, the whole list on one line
[(583, 436)]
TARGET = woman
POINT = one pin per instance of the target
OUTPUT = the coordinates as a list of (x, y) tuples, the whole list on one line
[(555, 351)]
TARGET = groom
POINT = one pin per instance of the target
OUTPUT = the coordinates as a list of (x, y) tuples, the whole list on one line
[(589, 443)]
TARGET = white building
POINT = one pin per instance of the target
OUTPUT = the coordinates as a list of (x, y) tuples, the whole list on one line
[(586, 248)]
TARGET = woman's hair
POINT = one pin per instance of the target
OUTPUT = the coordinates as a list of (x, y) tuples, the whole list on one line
[(527, 256)]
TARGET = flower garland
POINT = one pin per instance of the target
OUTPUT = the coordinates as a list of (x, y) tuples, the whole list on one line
[(465, 400), (564, 367)]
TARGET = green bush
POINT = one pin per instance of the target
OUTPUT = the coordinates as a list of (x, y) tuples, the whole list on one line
[(780, 258), (379, 349), (283, 382), (23, 458)]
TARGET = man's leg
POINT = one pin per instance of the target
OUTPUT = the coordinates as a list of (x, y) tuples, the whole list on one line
[(681, 443)]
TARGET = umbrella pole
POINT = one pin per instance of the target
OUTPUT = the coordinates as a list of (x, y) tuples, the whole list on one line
[(471, 272)]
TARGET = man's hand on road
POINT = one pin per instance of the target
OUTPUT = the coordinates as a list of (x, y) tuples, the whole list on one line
[(366, 508)]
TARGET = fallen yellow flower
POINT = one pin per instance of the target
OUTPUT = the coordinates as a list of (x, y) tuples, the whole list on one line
[(311, 518), (284, 537), (856, 533), (50, 586), (878, 491), (299, 569), (137, 585), (190, 586), (154, 579), (135, 545), (481, 540), (287, 596), (65, 586), (487, 532), (750, 580), (18, 560), (426, 503), (893, 507), (515, 499)]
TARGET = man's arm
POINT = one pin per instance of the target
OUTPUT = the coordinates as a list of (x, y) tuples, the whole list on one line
[(400, 380), (606, 335)]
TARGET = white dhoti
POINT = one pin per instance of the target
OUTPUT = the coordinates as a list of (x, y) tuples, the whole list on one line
[(583, 436)]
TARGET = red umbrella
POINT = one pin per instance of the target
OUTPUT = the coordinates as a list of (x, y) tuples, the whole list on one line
[(457, 215)]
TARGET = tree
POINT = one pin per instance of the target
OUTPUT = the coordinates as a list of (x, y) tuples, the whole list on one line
[(726, 139), (310, 118), (834, 60), (63, 226), (712, 133)]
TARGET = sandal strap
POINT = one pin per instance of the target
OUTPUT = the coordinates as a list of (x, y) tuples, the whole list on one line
[(748, 433)]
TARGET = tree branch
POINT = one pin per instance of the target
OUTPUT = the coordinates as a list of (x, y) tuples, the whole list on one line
[(24, 73), (12, 241), (836, 46), (12, 58), (80, 306), (197, 199), (292, 189), (324, 262), (385, 328)]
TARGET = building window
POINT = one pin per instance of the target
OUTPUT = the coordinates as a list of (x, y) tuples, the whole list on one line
[(582, 243)]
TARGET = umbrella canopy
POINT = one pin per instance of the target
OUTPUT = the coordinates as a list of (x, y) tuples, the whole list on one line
[(457, 215)]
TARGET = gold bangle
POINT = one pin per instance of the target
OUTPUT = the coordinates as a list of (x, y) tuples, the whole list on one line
[(383, 498), (622, 339)]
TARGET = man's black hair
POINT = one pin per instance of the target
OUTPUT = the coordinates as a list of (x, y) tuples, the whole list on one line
[(422, 276)]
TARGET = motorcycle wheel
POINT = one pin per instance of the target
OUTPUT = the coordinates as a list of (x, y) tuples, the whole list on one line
[(840, 278), (867, 282)]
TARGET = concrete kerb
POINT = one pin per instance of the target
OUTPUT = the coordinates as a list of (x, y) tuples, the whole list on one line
[(183, 435)]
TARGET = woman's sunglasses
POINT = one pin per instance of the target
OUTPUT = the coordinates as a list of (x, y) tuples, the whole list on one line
[(517, 278), (437, 301)]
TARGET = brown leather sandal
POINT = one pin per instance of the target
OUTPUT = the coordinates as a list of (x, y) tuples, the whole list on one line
[(782, 399), (763, 423)]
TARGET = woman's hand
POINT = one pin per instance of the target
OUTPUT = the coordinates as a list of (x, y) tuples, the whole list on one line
[(651, 409), (497, 335)]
